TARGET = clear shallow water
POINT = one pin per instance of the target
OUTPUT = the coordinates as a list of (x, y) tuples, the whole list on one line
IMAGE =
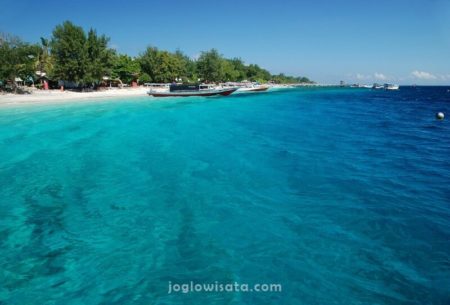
[(342, 196)]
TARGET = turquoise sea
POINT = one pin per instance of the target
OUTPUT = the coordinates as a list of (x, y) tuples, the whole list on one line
[(340, 195)]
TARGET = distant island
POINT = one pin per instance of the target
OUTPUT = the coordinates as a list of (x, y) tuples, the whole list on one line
[(74, 58)]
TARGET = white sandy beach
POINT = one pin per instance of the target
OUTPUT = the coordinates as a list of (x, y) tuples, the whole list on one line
[(57, 96), (40, 97)]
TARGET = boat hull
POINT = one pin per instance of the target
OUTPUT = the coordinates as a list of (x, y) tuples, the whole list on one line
[(258, 89), (223, 92), (254, 89), (392, 88)]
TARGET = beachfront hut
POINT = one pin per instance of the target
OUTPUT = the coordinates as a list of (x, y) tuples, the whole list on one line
[(41, 77), (18, 81), (44, 82), (108, 82)]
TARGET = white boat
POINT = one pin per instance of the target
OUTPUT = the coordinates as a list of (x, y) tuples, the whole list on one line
[(277, 87), (391, 87), (158, 87), (178, 90), (377, 86), (252, 88)]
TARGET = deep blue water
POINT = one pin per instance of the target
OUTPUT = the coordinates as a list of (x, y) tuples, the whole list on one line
[(340, 195)]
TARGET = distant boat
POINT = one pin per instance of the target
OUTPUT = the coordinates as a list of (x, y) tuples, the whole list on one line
[(391, 87), (192, 90), (360, 86), (252, 88), (377, 86)]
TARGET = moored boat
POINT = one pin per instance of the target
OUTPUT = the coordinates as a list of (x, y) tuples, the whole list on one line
[(391, 87), (251, 87), (377, 86), (255, 88), (192, 90)]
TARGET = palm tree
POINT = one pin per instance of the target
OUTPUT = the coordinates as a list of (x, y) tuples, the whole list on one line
[(44, 64)]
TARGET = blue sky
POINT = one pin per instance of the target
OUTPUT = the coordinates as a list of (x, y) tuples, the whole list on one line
[(396, 41)]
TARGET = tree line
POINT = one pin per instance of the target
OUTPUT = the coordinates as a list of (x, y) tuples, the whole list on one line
[(85, 58)]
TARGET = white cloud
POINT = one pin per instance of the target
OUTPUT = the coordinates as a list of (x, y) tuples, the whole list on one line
[(423, 75), (380, 76), (362, 76)]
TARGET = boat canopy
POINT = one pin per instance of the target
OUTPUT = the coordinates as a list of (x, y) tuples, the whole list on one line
[(175, 87)]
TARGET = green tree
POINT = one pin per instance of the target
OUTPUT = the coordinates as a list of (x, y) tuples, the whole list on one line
[(99, 58), (256, 73), (161, 66), (69, 52), (125, 68), (187, 68), (144, 78), (230, 74), (305, 80), (240, 68), (44, 62), (148, 62), (17, 59), (75, 56), (210, 66), (79, 57), (285, 79)]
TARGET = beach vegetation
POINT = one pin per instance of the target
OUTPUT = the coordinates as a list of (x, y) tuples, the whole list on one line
[(161, 66), (99, 57), (256, 73), (126, 68), (144, 78), (69, 52), (79, 57), (210, 66), (17, 61), (84, 58), (44, 62)]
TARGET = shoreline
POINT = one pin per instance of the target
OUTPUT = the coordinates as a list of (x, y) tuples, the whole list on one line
[(40, 97), (55, 96)]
